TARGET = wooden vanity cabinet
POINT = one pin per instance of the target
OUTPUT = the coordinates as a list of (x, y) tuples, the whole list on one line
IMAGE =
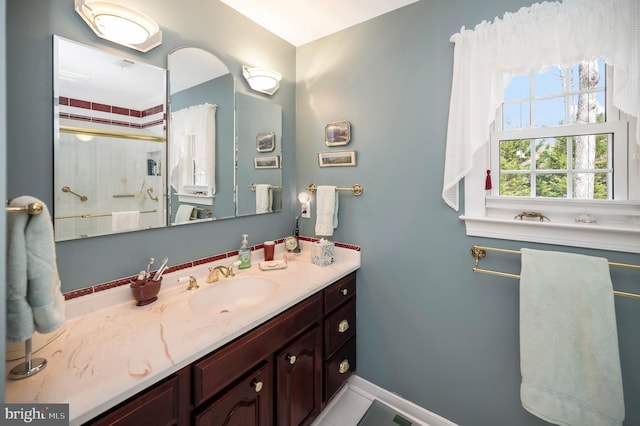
[(299, 380), (167, 403), (279, 374), (249, 402), (292, 343), (339, 322)]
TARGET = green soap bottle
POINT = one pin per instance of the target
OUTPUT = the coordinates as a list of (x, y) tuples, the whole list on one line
[(244, 254)]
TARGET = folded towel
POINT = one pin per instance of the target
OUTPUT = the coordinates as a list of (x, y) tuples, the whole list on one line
[(327, 210), (34, 299), (569, 356), (184, 213), (263, 198), (122, 221)]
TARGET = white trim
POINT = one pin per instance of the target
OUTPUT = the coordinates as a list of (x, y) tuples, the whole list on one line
[(624, 239)]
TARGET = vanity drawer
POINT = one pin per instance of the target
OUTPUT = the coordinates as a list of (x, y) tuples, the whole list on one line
[(339, 327), (339, 368), (220, 369), (339, 292)]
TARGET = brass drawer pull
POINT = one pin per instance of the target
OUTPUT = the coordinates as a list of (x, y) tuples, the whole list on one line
[(257, 385), (343, 326), (344, 366), (292, 359), (344, 291)]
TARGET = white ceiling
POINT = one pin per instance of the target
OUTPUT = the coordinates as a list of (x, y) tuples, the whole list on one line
[(302, 21)]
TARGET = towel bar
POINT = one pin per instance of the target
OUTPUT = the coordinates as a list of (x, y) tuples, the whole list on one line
[(253, 186), (31, 365), (33, 208), (356, 189), (480, 252)]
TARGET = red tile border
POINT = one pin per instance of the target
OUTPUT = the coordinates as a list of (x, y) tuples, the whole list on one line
[(74, 294)]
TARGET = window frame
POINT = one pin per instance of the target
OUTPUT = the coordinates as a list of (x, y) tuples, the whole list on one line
[(617, 225)]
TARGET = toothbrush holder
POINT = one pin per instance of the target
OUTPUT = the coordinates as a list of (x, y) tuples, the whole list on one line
[(145, 291)]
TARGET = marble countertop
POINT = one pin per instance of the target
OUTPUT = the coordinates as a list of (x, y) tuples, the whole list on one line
[(110, 349)]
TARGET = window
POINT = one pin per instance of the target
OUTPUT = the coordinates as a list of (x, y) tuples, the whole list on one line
[(558, 145), (559, 148)]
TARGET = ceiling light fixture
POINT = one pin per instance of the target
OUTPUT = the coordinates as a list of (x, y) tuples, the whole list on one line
[(262, 80), (120, 24)]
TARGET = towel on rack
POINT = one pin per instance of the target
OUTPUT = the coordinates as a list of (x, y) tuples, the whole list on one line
[(263, 198), (569, 356), (327, 210), (184, 213), (125, 220), (34, 299)]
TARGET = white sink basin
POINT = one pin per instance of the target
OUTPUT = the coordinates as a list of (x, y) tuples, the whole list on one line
[(232, 294)]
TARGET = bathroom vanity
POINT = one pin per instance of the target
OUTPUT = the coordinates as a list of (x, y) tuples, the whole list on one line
[(278, 362)]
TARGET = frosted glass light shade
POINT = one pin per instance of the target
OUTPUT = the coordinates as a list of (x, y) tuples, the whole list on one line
[(262, 80), (120, 24)]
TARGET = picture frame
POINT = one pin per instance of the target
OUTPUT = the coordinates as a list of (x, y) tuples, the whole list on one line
[(267, 162), (337, 158), (265, 141), (337, 133)]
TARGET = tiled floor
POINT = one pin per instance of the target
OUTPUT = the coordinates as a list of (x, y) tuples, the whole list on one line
[(352, 402)]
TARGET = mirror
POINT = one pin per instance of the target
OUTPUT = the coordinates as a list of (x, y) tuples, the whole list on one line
[(109, 142), (259, 156), (202, 137)]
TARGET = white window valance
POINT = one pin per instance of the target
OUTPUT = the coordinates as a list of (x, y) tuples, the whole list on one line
[(534, 38)]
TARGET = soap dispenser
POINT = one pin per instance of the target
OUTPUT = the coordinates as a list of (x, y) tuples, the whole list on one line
[(244, 254)]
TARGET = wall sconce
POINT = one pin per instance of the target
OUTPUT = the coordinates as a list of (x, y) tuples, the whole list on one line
[(305, 204), (262, 80), (120, 24)]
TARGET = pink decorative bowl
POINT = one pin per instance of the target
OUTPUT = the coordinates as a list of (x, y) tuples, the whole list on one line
[(145, 291)]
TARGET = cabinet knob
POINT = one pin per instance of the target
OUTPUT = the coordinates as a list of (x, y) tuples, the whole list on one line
[(344, 366), (343, 326), (292, 359), (344, 291), (257, 385)]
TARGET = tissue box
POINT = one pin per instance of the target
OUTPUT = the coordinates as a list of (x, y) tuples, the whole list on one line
[(323, 253)]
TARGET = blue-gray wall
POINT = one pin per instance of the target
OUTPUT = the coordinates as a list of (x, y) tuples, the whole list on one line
[(3, 190), (206, 24), (428, 328)]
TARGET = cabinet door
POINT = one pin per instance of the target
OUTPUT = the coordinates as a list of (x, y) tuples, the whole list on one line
[(299, 380), (247, 403)]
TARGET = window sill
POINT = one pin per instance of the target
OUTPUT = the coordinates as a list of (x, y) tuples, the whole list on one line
[(590, 235)]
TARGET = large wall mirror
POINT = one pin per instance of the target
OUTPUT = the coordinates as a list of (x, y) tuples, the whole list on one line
[(259, 156), (201, 137), (109, 142), (126, 158)]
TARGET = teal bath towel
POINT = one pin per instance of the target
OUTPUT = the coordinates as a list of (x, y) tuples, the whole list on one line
[(569, 356), (34, 298)]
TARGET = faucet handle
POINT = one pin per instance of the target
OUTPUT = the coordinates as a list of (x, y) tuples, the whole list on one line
[(193, 283), (230, 268), (214, 275)]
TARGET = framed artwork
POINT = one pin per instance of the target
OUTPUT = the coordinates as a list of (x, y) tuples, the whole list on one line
[(337, 133), (265, 142), (337, 158), (268, 162)]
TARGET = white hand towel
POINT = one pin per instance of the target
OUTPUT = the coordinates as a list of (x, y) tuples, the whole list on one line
[(122, 221), (327, 210), (569, 356), (263, 198), (184, 213), (34, 300)]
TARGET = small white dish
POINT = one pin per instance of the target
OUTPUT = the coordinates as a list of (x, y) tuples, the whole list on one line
[(269, 265)]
